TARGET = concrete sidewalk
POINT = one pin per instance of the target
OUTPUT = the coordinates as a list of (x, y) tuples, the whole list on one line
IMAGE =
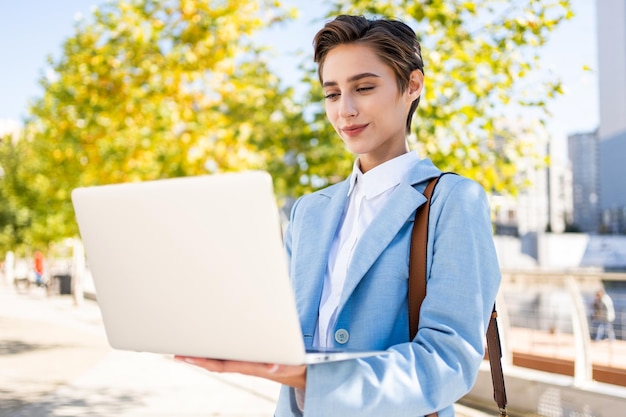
[(55, 361)]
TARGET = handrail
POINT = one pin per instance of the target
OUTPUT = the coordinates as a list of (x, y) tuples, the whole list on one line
[(583, 368), (569, 288)]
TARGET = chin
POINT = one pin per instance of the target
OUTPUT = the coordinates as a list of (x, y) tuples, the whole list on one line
[(355, 147)]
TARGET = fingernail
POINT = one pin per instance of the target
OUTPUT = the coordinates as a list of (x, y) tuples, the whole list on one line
[(273, 369)]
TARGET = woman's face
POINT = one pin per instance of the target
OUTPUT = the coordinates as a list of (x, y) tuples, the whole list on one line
[(364, 105)]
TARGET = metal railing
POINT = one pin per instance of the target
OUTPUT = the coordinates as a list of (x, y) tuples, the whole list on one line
[(546, 321)]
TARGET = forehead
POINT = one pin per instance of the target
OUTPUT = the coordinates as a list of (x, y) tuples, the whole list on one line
[(347, 60)]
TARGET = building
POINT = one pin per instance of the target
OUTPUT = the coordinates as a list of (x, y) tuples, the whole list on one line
[(560, 201), (611, 15), (527, 212), (584, 161)]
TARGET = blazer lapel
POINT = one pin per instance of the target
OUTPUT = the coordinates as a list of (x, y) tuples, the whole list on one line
[(400, 208), (314, 251)]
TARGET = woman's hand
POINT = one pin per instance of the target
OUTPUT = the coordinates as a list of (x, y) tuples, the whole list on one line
[(294, 376)]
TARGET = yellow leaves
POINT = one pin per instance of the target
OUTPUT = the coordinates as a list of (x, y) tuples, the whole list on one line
[(187, 113), (190, 57), (185, 138), (83, 68), (57, 154), (473, 67), (153, 89), (188, 7), (470, 6), (434, 58), (96, 60), (157, 23)]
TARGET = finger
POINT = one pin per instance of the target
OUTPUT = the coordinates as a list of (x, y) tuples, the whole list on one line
[(212, 365), (223, 366), (249, 368), (273, 368)]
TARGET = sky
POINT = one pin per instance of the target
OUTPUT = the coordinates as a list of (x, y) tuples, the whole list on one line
[(31, 30)]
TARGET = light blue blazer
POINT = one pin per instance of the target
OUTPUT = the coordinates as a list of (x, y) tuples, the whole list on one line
[(440, 365)]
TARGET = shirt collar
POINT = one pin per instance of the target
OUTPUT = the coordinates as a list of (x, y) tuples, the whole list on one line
[(383, 177)]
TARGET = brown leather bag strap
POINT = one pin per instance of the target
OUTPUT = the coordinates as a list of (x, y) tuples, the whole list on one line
[(494, 351), (417, 293), (417, 259)]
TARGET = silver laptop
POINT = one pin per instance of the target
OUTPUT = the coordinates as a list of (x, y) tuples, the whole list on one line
[(194, 266)]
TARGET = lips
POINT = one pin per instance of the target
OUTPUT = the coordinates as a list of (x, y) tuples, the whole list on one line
[(354, 130)]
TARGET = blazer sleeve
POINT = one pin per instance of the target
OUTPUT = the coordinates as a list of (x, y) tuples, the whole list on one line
[(440, 365)]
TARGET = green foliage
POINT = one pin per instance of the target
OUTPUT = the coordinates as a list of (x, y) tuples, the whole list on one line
[(14, 217), (477, 55), (152, 89), (149, 89)]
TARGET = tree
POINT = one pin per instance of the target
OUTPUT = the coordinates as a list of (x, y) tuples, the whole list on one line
[(153, 89), (477, 57), (15, 218), (150, 89)]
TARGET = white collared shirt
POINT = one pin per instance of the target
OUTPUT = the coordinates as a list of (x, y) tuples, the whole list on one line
[(367, 195)]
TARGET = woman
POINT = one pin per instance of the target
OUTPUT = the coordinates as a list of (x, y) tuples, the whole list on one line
[(348, 247)]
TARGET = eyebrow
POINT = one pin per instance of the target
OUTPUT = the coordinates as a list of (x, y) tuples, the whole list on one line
[(351, 79)]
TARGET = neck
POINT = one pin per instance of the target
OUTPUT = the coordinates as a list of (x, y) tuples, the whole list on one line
[(369, 161)]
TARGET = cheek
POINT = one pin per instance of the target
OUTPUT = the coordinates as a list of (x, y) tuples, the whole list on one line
[(330, 112)]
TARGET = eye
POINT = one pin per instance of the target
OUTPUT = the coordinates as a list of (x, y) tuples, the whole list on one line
[(364, 89), (331, 96)]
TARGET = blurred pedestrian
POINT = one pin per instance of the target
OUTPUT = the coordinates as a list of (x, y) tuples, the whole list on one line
[(38, 268), (603, 315)]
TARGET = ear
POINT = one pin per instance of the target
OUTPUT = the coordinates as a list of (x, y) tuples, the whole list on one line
[(416, 85)]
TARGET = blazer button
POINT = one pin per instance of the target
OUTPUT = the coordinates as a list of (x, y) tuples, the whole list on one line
[(342, 336)]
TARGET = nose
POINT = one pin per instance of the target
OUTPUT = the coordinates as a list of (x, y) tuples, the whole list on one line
[(347, 106)]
